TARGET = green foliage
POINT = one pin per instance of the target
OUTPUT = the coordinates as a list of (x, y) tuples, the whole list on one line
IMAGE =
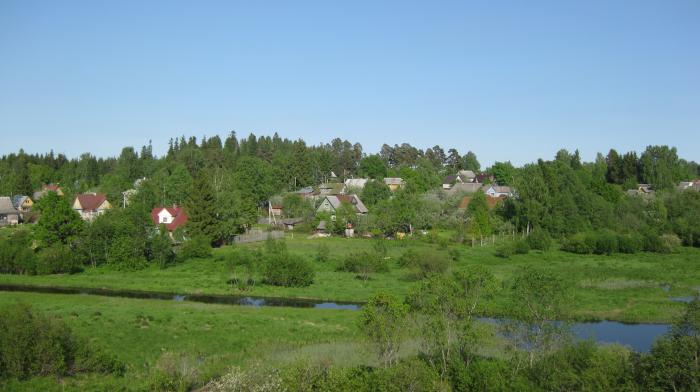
[(505, 249), (478, 215), (196, 247), (323, 253), (287, 270), (425, 263), (384, 321), (521, 247), (374, 192), (364, 264), (373, 167), (162, 248), (295, 206), (201, 208), (539, 240), (126, 254), (32, 344), (280, 268), (59, 223), (56, 259), (16, 257)]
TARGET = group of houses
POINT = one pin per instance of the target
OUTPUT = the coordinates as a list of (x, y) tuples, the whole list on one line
[(17, 209)]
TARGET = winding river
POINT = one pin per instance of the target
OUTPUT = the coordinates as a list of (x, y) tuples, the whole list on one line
[(639, 337)]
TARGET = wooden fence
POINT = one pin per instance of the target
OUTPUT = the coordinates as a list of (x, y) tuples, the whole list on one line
[(257, 236)]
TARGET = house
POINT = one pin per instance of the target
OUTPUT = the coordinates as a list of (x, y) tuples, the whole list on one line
[(22, 203), (643, 190), (8, 213), (462, 177), (483, 177), (394, 183), (356, 183), (332, 202), (172, 217), (689, 185), (91, 205), (47, 188), (498, 191), (306, 192)]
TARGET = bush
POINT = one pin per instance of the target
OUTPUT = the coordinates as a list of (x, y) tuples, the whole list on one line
[(630, 243), (605, 243), (323, 254), (16, 256), (505, 249), (197, 247), (670, 242), (539, 240), (580, 243), (34, 345), (56, 259), (521, 247), (126, 254), (283, 269), (364, 264), (424, 263)]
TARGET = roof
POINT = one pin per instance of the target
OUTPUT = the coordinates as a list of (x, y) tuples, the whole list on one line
[(6, 207), (51, 187), (355, 201), (18, 200), (500, 189), (393, 181), (356, 182), (307, 189), (178, 214), (482, 177), (91, 201), (451, 179), (466, 174)]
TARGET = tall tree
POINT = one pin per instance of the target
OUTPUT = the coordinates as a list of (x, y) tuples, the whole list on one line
[(201, 208)]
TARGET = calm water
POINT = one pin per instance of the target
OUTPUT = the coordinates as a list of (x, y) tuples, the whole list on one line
[(639, 337), (205, 298)]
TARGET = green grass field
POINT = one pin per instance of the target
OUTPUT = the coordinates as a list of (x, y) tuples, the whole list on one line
[(619, 287), (207, 338)]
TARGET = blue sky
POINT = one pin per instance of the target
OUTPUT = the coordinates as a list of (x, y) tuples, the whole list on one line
[(509, 80)]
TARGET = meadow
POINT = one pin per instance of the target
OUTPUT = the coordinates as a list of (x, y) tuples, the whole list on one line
[(621, 287)]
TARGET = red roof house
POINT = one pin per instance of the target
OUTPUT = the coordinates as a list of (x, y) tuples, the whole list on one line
[(172, 217), (90, 205)]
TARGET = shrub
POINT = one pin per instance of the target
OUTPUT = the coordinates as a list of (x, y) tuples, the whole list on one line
[(16, 257), (630, 243), (283, 269), (126, 254), (34, 345), (521, 247), (364, 264), (197, 247), (670, 242), (424, 263), (454, 254), (323, 254), (505, 249), (605, 243), (56, 259), (580, 243), (539, 240)]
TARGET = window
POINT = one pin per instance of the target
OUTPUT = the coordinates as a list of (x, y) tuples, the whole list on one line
[(164, 219)]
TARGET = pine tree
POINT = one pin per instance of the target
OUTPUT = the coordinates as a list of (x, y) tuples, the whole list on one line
[(201, 209)]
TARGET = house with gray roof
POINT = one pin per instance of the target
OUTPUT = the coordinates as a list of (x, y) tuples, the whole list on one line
[(331, 203), (8, 213)]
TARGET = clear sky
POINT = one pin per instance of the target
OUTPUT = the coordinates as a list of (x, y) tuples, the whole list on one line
[(510, 80)]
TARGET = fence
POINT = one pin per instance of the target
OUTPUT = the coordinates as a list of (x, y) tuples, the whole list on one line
[(257, 236)]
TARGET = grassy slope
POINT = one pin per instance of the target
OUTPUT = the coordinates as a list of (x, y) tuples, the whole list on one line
[(618, 287), (212, 337)]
